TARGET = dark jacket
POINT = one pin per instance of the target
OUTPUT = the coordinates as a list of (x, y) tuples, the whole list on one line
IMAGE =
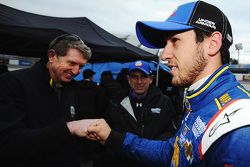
[(154, 122), (33, 130), (91, 101)]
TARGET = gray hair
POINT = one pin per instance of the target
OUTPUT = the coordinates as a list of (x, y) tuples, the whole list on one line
[(63, 43)]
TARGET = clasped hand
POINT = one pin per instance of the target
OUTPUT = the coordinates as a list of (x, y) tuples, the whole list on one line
[(92, 129)]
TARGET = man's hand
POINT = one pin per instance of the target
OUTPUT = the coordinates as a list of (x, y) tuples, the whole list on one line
[(79, 128), (99, 130)]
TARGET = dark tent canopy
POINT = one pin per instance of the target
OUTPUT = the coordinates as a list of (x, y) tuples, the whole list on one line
[(27, 34)]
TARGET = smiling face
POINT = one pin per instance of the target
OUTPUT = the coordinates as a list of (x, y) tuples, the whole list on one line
[(64, 68), (139, 82), (185, 58)]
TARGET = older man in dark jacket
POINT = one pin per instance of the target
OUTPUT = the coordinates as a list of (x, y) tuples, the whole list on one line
[(38, 108)]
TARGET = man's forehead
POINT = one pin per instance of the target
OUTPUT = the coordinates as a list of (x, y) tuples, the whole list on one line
[(137, 72)]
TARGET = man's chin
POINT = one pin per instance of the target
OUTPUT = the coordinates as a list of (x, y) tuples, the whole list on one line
[(67, 80), (139, 92)]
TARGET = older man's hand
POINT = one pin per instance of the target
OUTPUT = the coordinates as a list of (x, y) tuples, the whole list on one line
[(79, 128)]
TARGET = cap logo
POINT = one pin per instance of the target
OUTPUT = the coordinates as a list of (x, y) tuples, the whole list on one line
[(138, 63), (207, 23)]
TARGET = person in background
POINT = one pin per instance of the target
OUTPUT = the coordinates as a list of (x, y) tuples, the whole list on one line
[(122, 78), (38, 108), (109, 84), (142, 110), (215, 129), (88, 75), (91, 99)]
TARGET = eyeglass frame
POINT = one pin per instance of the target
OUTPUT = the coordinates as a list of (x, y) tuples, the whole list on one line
[(139, 77)]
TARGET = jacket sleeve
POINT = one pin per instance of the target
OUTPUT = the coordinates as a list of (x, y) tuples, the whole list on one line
[(148, 152), (16, 138)]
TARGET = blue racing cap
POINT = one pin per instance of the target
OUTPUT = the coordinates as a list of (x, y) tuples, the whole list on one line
[(194, 15), (140, 65)]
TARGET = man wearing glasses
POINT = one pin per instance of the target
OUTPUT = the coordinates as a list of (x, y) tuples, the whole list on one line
[(143, 110), (38, 108)]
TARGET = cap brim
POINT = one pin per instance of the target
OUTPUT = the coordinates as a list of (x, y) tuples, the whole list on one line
[(152, 34)]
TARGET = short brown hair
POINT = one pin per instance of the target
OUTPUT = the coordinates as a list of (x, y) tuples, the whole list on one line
[(63, 43), (224, 51)]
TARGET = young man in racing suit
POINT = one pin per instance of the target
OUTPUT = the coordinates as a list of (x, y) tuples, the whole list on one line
[(215, 129)]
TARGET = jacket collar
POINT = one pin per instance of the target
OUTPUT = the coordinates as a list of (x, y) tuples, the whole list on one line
[(209, 89)]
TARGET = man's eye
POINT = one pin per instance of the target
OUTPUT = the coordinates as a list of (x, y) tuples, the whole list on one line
[(134, 76), (72, 63), (174, 39)]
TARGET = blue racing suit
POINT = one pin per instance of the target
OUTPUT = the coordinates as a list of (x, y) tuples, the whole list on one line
[(215, 129)]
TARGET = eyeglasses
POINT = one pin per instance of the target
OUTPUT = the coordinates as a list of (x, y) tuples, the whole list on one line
[(138, 77), (68, 37)]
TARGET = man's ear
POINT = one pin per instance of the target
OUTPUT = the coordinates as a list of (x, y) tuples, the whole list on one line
[(215, 43), (128, 79), (151, 80), (51, 55), (152, 77)]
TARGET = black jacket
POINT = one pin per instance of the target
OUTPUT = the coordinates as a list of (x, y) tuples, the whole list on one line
[(91, 99), (33, 130), (155, 121), (91, 102)]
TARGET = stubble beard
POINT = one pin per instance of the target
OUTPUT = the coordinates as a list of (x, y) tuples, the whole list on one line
[(193, 70)]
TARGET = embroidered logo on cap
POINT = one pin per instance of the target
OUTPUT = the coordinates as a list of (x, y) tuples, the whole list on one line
[(138, 63), (207, 23)]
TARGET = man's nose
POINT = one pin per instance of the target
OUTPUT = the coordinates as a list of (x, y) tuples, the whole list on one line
[(167, 52), (139, 80)]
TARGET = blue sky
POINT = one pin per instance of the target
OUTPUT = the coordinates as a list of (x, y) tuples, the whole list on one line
[(119, 16)]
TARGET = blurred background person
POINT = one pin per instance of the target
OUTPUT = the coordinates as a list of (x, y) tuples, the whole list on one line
[(91, 105), (109, 84), (122, 78)]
